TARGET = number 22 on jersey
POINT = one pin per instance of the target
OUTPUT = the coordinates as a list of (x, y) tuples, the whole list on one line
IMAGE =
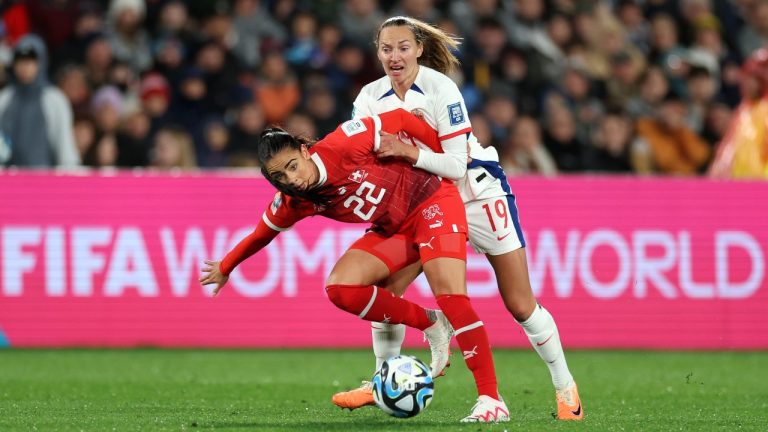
[(359, 203)]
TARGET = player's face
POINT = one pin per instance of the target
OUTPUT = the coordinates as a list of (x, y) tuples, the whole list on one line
[(398, 53), (293, 168)]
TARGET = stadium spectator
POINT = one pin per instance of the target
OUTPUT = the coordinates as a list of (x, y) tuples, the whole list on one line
[(561, 141), (301, 124), (134, 140), (525, 153), (127, 36), (103, 152), (84, 132), (72, 81), (277, 89), (302, 44), (173, 148), (155, 97), (716, 121), (576, 92), (611, 145), (35, 117), (701, 88), (623, 82), (523, 48), (107, 108), (743, 152), (216, 142), (254, 29), (653, 88), (359, 19), (89, 22), (481, 128), (755, 34), (674, 147), (424, 10), (322, 107), (501, 114), (244, 134), (98, 59)]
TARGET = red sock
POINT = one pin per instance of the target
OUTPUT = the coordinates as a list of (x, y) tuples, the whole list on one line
[(473, 341), (372, 303)]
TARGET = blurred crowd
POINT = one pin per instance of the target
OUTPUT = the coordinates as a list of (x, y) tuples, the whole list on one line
[(557, 86)]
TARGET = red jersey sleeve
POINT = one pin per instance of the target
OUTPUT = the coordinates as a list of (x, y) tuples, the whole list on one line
[(282, 213), (401, 120), (247, 247)]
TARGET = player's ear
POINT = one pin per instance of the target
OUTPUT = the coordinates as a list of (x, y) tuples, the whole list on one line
[(304, 151), (419, 50)]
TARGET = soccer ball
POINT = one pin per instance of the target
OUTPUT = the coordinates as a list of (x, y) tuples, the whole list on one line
[(403, 386)]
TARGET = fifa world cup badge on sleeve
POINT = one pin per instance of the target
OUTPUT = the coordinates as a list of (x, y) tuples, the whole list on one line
[(276, 203), (456, 113), (353, 127)]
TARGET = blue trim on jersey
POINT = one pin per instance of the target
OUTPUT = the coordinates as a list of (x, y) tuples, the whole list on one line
[(495, 170), (391, 91), (515, 218)]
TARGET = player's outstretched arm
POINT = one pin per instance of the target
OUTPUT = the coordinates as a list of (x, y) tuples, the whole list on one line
[(218, 271)]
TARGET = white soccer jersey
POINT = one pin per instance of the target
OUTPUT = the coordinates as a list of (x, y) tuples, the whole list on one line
[(440, 102)]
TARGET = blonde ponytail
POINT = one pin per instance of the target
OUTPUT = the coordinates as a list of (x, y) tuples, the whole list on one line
[(437, 44)]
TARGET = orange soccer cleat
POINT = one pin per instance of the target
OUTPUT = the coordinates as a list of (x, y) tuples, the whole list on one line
[(569, 404), (355, 398)]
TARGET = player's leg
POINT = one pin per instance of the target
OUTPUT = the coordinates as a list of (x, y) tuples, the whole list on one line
[(494, 229), (447, 277), (514, 285), (443, 251), (387, 340), (350, 287), (393, 253)]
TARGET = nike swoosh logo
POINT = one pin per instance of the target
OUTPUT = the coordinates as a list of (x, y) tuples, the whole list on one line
[(500, 238), (542, 343), (578, 410)]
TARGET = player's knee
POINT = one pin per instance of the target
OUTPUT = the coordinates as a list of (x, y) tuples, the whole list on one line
[(335, 295), (520, 309), (346, 298)]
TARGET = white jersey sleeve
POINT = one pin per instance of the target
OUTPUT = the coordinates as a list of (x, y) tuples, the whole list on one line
[(453, 127)]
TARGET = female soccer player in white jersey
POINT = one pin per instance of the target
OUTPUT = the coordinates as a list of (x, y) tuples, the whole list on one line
[(415, 216), (415, 57)]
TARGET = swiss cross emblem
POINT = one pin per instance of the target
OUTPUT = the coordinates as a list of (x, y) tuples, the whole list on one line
[(358, 176)]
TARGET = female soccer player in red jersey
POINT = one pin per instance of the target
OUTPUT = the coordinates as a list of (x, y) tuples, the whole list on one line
[(416, 217), (416, 57)]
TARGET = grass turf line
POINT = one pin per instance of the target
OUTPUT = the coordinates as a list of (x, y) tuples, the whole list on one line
[(290, 390)]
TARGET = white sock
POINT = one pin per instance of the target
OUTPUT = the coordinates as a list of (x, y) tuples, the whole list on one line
[(387, 340), (542, 332)]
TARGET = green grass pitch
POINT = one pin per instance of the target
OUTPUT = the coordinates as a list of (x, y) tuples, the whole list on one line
[(290, 390)]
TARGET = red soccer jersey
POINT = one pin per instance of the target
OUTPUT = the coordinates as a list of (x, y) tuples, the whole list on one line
[(362, 188)]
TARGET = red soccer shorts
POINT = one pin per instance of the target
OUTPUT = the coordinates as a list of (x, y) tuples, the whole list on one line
[(436, 229)]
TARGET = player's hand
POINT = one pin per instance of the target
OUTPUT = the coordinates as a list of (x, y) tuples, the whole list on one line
[(213, 275), (391, 146)]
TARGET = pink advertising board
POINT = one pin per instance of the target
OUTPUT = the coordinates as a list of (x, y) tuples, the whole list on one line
[(112, 260)]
